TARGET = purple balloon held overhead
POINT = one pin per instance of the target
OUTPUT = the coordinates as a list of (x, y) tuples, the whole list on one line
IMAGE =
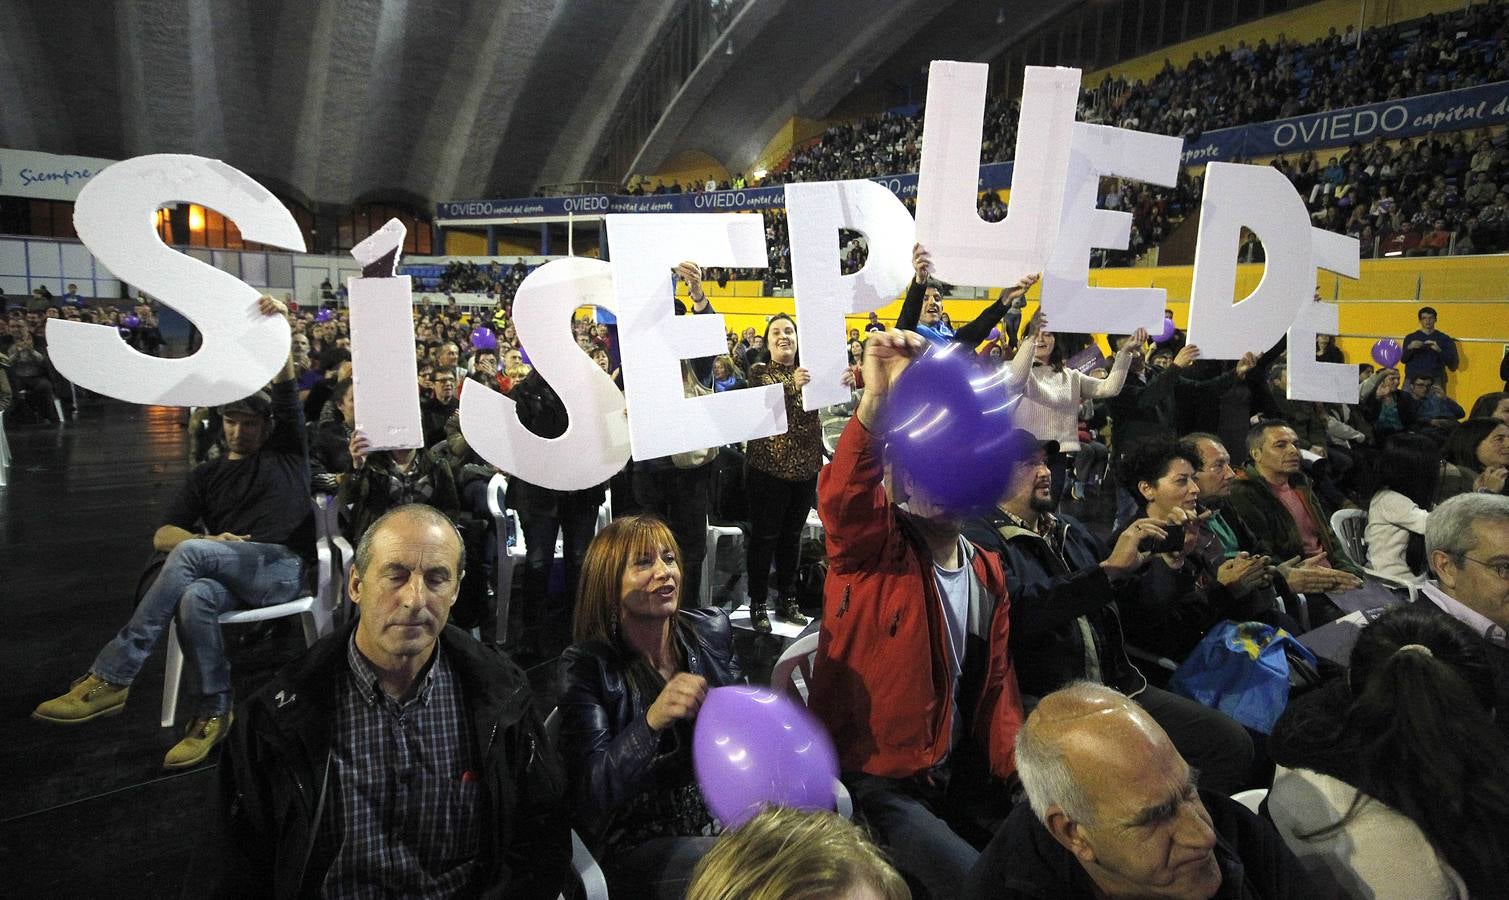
[(754, 747), (1164, 333), (484, 338), (946, 424), (131, 321), (324, 315), (1386, 353)]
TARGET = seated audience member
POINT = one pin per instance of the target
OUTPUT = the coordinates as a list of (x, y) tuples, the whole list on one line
[(790, 854), (1215, 477), (1065, 621), (1493, 405), (1394, 782), (1478, 449), (1114, 811), (330, 448), (1467, 545), (1182, 593), (30, 372), (1406, 478), (1387, 407), (725, 376), (424, 749), (435, 409), (386, 479), (633, 682), (1275, 500), (239, 533), (925, 758)]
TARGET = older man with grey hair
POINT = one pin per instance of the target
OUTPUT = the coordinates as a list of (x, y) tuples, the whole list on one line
[(1114, 811), (1467, 544)]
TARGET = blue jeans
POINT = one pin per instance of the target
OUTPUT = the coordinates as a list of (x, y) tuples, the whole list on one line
[(911, 822), (200, 580)]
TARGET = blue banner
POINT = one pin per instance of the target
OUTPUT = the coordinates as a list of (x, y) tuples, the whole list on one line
[(1473, 107), (582, 205)]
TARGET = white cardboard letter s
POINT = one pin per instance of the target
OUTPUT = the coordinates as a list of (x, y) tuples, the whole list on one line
[(595, 445), (824, 295), (242, 348)]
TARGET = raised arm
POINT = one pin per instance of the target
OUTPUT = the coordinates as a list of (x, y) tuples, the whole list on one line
[(911, 307), (978, 329), (1110, 386)]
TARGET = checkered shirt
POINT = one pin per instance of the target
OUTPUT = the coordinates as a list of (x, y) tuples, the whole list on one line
[(405, 812)]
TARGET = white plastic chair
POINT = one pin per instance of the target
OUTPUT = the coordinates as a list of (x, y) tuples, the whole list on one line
[(710, 557), (1251, 799), (314, 610), (793, 675), (507, 557), (1350, 527), (4, 451), (588, 872), (793, 671)]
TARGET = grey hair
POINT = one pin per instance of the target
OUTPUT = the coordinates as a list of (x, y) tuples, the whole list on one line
[(1449, 528), (427, 514), (1044, 771)]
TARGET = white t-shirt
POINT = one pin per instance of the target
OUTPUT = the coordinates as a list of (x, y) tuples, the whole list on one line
[(953, 591)]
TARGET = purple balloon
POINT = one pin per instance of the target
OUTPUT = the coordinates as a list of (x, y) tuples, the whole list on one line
[(1166, 332), (947, 425), (1387, 353), (484, 338), (131, 321), (324, 315), (995, 334), (754, 747)]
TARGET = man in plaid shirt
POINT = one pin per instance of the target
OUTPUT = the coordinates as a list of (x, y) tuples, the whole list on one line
[(398, 755)]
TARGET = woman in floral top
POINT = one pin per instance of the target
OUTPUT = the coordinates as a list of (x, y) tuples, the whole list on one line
[(781, 481)]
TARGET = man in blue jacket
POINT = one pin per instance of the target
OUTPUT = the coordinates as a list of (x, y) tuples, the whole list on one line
[(1428, 353)]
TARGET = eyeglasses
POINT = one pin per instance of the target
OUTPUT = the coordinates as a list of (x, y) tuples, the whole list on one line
[(1501, 569)]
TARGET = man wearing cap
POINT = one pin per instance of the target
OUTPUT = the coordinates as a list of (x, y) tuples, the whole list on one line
[(237, 534), (1065, 621)]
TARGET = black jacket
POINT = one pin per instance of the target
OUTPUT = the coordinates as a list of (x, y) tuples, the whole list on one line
[(1169, 610), (274, 776), (1049, 599), (1024, 861), (611, 754)]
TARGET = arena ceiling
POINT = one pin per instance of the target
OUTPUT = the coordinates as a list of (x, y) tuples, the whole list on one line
[(336, 102)]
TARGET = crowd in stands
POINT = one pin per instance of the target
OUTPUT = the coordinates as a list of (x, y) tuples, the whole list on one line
[(1445, 193), (989, 778)]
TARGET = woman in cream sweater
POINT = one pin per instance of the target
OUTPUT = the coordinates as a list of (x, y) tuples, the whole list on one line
[(1051, 394)]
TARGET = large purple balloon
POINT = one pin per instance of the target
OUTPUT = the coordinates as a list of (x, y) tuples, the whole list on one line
[(484, 338), (1166, 332), (754, 747), (947, 424), (1387, 353)]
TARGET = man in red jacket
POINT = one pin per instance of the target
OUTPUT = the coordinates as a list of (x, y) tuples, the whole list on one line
[(912, 677)]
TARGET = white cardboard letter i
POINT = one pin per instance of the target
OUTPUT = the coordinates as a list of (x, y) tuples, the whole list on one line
[(383, 370)]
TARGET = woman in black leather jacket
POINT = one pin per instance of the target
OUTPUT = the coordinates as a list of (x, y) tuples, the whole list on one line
[(635, 677)]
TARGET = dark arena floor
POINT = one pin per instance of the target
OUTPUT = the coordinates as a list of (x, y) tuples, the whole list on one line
[(89, 811)]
